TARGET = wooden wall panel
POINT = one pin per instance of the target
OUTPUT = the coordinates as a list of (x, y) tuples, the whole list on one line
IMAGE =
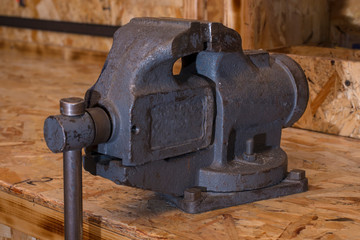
[(194, 9), (261, 23), (43, 38), (113, 12), (345, 23), (278, 23), (215, 10)]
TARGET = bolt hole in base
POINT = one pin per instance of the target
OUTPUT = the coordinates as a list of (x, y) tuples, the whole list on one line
[(135, 129)]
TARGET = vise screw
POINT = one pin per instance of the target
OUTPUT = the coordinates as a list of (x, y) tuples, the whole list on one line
[(206, 138)]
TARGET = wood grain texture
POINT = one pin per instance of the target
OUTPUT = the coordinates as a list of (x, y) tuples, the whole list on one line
[(110, 12), (345, 23), (31, 176), (313, 51), (271, 24), (65, 40), (194, 9), (261, 23), (42, 222)]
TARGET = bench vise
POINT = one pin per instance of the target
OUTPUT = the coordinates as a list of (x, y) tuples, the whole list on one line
[(206, 138)]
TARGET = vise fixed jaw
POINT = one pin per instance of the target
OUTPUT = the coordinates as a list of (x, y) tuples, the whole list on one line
[(206, 138)]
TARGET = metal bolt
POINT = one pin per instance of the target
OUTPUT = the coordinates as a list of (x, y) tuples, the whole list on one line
[(296, 174), (72, 106), (249, 151), (249, 146), (192, 194)]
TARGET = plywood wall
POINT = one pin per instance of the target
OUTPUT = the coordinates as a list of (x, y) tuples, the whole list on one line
[(113, 12), (27, 38), (277, 23), (262, 23), (109, 12)]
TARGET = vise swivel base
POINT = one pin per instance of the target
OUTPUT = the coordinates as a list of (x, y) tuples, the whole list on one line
[(206, 138)]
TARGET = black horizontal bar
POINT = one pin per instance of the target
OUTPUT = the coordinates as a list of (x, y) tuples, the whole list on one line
[(59, 26)]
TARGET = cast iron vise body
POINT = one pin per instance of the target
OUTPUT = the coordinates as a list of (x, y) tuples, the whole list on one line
[(206, 138)]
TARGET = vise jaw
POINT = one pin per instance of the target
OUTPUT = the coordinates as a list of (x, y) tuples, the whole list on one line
[(206, 138)]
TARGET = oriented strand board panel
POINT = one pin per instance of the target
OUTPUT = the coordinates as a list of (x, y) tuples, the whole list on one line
[(44, 38), (111, 12), (31, 190), (334, 84)]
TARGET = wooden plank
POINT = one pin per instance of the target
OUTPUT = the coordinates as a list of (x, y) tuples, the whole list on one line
[(215, 10), (31, 176), (43, 222), (271, 24)]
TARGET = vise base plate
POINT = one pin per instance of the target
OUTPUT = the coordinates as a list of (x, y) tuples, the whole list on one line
[(196, 200)]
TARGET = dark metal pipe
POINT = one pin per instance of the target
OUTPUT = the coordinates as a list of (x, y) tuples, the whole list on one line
[(73, 194), (59, 26), (73, 107)]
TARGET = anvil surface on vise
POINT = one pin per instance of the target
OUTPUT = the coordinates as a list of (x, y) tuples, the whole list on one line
[(206, 138)]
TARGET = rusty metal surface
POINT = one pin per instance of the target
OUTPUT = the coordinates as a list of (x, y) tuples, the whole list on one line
[(216, 125), (64, 133)]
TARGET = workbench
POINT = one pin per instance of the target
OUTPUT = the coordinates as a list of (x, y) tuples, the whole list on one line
[(31, 183)]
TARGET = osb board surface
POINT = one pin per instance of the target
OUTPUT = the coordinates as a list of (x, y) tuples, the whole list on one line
[(110, 12), (29, 91), (334, 86), (64, 40)]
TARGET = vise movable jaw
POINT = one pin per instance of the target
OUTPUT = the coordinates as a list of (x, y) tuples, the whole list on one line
[(206, 138)]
